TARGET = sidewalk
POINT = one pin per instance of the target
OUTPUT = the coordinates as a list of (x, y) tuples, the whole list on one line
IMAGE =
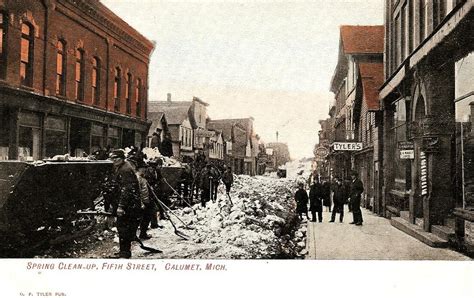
[(376, 239)]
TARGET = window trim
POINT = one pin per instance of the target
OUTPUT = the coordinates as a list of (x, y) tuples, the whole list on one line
[(138, 98), (3, 43), (128, 92), (117, 86)]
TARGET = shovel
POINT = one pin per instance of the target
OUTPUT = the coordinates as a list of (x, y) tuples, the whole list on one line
[(142, 246), (174, 190), (176, 231)]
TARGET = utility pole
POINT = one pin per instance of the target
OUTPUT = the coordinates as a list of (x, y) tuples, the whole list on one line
[(277, 136)]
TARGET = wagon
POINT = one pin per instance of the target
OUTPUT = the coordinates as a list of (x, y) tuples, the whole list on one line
[(33, 195)]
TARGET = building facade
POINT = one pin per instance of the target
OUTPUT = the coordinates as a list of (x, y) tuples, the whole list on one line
[(427, 103), (73, 79)]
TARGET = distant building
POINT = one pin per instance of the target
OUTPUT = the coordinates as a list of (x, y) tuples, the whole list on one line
[(73, 79), (277, 155)]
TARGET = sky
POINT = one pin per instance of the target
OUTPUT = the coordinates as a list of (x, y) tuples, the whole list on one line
[(272, 60)]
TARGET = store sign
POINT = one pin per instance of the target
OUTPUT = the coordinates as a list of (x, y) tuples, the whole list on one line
[(321, 152), (423, 174), (201, 133), (347, 146), (407, 154), (406, 145)]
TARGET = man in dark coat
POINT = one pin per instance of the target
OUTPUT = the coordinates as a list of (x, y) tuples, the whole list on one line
[(215, 178), (205, 185), (339, 197), (326, 189), (301, 198), (129, 205), (355, 194), (315, 200), (228, 179)]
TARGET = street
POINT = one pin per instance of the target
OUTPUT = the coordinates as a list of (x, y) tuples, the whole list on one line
[(376, 239)]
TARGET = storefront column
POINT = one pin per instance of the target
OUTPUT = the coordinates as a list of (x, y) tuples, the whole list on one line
[(438, 130), (13, 137), (387, 164)]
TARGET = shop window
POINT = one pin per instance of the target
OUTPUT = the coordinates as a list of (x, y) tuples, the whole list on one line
[(117, 86), (3, 34), (26, 59), (113, 135), (138, 97), (55, 136), (464, 107), (97, 137), (60, 68), (402, 167), (79, 75), (96, 80), (128, 91)]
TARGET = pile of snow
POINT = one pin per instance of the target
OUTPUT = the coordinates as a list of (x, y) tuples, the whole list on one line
[(261, 223)]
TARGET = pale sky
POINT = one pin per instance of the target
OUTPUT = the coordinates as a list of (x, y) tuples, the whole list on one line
[(272, 60)]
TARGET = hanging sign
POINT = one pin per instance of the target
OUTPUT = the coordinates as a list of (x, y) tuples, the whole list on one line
[(407, 154), (347, 146)]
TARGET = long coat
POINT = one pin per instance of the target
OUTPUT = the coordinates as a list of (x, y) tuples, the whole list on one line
[(326, 193), (315, 197), (339, 196), (301, 198)]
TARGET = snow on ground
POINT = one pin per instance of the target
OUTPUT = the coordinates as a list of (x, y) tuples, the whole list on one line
[(261, 223)]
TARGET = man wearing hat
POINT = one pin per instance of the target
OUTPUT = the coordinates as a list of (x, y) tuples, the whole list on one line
[(129, 204), (206, 185), (356, 190)]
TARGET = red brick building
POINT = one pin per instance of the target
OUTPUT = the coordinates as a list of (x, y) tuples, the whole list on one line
[(73, 78)]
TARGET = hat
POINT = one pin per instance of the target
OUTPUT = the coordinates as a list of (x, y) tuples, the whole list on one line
[(117, 154)]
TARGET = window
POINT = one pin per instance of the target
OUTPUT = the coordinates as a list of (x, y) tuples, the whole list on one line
[(402, 167), (128, 91), (117, 85), (3, 33), (60, 68), (138, 97), (403, 33), (96, 80), (422, 20), (79, 78), (26, 60)]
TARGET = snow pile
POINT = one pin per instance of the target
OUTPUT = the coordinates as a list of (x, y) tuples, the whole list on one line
[(261, 223)]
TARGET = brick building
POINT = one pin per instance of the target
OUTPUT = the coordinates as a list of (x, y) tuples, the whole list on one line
[(427, 100), (73, 78)]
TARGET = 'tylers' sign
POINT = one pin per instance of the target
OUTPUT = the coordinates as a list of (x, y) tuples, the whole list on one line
[(347, 146)]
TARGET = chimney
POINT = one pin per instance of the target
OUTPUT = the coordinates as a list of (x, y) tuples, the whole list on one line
[(168, 98)]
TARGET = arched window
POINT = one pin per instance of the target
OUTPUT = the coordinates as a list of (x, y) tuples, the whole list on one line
[(60, 68), (96, 80), (117, 86), (79, 76), (27, 49), (128, 91), (3, 34), (138, 97)]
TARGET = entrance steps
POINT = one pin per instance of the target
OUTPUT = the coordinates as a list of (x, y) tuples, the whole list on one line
[(406, 216), (417, 232)]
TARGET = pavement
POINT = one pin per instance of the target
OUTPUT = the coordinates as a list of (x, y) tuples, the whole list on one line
[(376, 239)]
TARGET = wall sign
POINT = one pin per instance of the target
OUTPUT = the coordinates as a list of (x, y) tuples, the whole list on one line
[(407, 154), (347, 146)]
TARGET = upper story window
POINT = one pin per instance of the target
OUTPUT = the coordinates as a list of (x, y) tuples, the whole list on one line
[(79, 76), (128, 91), (117, 86), (138, 97), (3, 33), (96, 80), (26, 60), (60, 68)]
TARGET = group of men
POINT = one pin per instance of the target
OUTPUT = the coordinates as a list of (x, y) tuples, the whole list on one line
[(341, 194), (134, 194)]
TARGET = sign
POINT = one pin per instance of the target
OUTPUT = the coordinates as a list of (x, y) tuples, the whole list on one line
[(321, 152), (406, 145), (423, 174), (347, 146), (431, 144), (407, 154), (201, 133)]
